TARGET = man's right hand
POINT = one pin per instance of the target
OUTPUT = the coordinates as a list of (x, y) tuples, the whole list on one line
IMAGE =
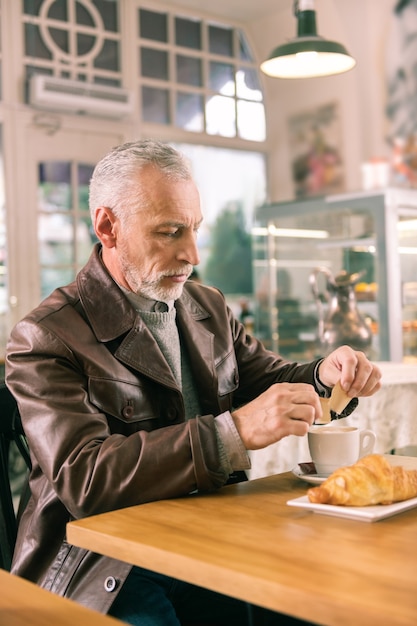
[(283, 409)]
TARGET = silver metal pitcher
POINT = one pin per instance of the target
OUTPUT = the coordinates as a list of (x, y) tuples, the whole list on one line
[(340, 322)]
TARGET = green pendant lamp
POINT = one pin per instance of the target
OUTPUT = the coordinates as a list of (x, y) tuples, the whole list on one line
[(308, 55)]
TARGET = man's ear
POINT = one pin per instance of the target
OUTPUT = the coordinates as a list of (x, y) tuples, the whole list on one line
[(105, 226)]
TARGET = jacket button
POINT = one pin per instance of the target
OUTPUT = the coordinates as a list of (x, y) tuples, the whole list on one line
[(110, 584), (127, 411)]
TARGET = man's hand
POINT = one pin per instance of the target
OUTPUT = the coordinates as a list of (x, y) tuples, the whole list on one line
[(357, 375), (283, 409), (291, 408)]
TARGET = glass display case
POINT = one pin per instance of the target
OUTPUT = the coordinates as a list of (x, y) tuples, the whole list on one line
[(370, 235)]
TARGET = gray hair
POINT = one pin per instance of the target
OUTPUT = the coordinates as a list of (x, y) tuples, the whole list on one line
[(115, 182)]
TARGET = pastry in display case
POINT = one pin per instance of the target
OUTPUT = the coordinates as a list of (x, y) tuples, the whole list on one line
[(349, 258)]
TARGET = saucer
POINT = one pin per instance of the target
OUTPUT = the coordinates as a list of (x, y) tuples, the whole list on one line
[(313, 479), (371, 513)]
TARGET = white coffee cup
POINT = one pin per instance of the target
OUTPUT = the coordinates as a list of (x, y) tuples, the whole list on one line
[(332, 447)]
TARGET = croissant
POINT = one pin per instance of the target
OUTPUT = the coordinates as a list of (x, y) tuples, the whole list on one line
[(372, 480)]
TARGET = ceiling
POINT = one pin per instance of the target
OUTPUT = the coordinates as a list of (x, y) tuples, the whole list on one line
[(241, 10)]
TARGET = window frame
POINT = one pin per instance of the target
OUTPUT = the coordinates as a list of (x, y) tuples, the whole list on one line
[(239, 33)]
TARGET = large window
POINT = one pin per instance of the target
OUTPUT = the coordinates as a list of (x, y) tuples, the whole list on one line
[(193, 74), (198, 76)]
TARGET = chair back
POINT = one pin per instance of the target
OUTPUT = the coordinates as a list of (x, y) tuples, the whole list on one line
[(14, 461)]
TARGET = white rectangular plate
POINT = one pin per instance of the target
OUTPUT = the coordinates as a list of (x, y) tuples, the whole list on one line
[(361, 513)]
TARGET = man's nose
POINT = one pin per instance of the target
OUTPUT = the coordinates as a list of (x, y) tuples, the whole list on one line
[(189, 250)]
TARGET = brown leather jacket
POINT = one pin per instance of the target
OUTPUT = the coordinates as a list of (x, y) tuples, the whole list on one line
[(101, 410)]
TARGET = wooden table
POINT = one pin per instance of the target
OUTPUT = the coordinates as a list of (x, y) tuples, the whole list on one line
[(246, 542), (24, 604)]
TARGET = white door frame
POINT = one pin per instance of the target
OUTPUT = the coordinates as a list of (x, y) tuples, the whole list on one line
[(44, 137)]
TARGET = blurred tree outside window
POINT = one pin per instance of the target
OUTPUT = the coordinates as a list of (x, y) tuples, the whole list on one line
[(229, 265)]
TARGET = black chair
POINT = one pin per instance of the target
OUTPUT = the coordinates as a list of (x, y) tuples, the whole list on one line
[(14, 465)]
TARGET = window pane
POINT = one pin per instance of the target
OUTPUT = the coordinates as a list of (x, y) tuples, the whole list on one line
[(189, 71), (108, 11), (84, 174), (247, 84), (188, 33), (58, 11), (54, 191), (189, 112), (31, 7), (55, 236), (108, 59), (85, 43), (222, 78), (50, 278), (244, 50), (82, 16), (60, 38), (55, 172), (85, 238), (34, 46), (220, 116), (154, 63), (153, 25), (221, 40), (251, 120), (155, 105)]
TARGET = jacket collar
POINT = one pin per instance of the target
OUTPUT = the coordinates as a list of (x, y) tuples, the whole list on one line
[(108, 310)]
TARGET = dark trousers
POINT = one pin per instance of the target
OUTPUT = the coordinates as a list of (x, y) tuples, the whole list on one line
[(150, 599)]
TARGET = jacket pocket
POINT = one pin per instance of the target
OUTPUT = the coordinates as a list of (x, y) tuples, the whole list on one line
[(227, 374), (56, 579), (130, 403)]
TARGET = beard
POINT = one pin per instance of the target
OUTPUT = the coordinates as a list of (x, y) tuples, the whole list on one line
[(153, 289), (149, 285)]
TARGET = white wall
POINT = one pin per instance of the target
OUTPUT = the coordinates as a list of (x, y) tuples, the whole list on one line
[(362, 26)]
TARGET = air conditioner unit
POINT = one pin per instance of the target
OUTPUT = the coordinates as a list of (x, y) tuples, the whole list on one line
[(72, 96)]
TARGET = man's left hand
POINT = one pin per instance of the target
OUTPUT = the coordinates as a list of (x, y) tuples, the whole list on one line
[(358, 376)]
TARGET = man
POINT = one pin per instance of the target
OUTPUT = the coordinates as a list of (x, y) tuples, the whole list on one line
[(135, 384)]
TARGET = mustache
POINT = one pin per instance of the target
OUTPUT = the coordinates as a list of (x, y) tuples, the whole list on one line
[(183, 270)]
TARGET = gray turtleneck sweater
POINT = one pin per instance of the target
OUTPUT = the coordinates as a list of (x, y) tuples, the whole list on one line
[(160, 318)]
